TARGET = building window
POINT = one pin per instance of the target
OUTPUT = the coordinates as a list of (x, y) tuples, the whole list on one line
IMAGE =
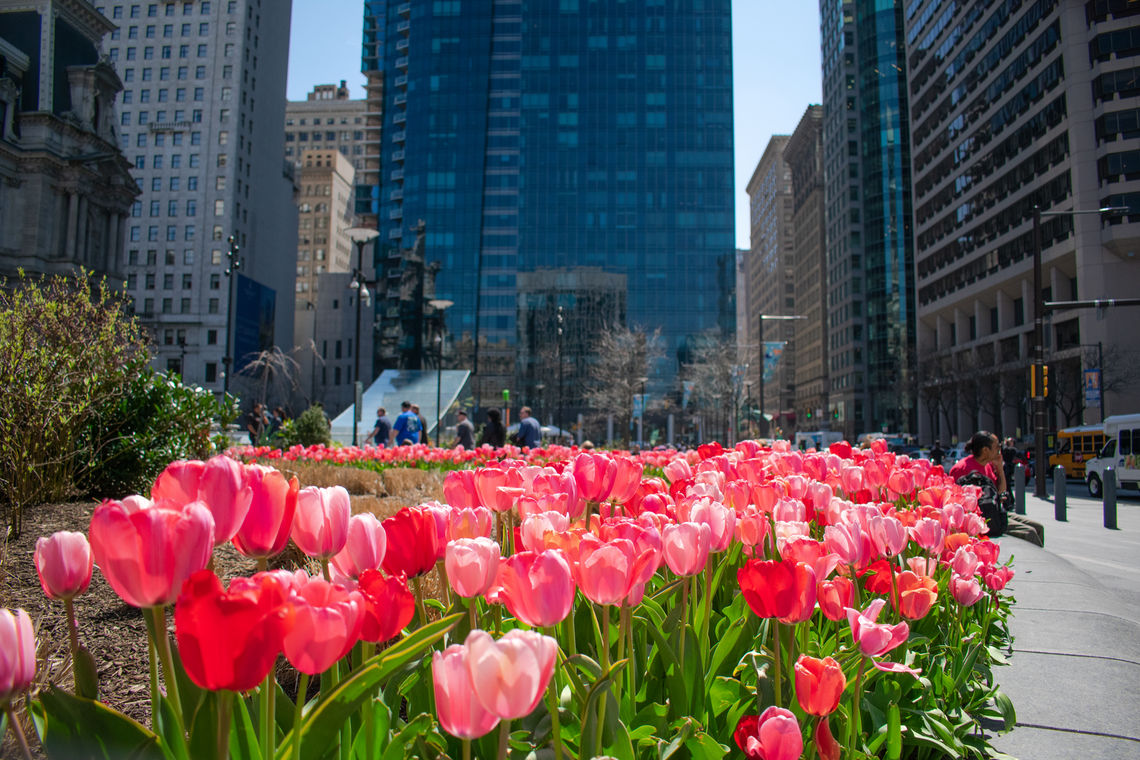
[(212, 377), (219, 207), (212, 308)]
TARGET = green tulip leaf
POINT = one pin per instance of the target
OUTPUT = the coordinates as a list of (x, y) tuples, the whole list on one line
[(244, 744), (75, 728), (704, 747), (86, 675), (204, 729)]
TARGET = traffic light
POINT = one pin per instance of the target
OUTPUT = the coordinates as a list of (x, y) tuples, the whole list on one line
[(808, 416), (1045, 379)]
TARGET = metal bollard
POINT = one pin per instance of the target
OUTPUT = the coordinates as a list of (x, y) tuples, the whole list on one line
[(1060, 497), (1019, 488), (1110, 498)]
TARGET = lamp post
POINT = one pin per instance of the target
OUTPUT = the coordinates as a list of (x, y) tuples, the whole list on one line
[(310, 306), (760, 340), (1039, 412), (440, 305), (748, 406), (360, 236), (233, 263), (559, 423)]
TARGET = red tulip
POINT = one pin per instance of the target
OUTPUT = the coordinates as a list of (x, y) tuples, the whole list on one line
[(834, 597), (17, 654), (536, 587), (997, 578), (819, 684), (230, 639), (510, 675), (686, 547), (146, 551), (388, 605), (772, 735), (179, 481), (265, 530), (365, 547), (825, 743), (64, 562), (413, 542), (326, 624), (784, 590), (472, 565), (320, 524), (460, 712), (916, 594)]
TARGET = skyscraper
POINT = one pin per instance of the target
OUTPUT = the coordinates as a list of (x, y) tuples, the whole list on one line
[(1018, 105), (870, 259), (200, 121), (549, 135)]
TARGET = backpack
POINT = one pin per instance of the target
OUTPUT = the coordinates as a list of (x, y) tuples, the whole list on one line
[(990, 502)]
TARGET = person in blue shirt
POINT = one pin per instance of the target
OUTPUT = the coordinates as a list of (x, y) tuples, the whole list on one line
[(530, 434), (407, 427)]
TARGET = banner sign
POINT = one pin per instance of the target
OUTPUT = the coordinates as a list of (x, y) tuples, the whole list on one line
[(773, 349), (1092, 386)]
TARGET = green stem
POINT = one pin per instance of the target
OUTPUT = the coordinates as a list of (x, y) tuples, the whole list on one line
[(225, 711), (299, 713), (154, 696), (262, 564), (856, 723), (684, 619), (777, 659), (72, 630), (268, 724), (706, 623), (18, 731), (170, 678), (473, 612), (555, 720), (325, 569), (632, 664), (417, 587), (441, 570), (895, 592), (466, 749), (605, 654), (504, 735)]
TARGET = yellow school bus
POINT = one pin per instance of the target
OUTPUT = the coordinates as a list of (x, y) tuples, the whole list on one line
[(1075, 446)]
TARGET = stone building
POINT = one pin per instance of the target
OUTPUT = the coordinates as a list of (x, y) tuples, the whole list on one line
[(65, 187)]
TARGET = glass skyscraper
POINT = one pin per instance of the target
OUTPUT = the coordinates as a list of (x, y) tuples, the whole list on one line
[(532, 135), (870, 249)]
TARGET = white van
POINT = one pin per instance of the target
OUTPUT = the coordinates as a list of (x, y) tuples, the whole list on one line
[(1121, 451), (818, 439)]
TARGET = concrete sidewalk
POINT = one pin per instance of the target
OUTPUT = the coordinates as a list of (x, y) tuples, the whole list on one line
[(1074, 677)]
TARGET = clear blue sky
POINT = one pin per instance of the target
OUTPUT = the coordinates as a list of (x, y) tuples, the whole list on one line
[(775, 63)]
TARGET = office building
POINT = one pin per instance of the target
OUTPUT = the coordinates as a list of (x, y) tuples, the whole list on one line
[(804, 156), (327, 119), (65, 187), (870, 261), (1016, 106), (554, 135), (200, 121), (771, 287)]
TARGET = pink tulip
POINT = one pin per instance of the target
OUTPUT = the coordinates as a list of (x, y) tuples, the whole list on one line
[(851, 478), (627, 478), (219, 483), (459, 710), (147, 552), (320, 524), (459, 489), (751, 528), (848, 541), (536, 526), (686, 547), (468, 522), (64, 562), (901, 482), (720, 519), (326, 624), (365, 547), (594, 475), (608, 571), (510, 675), (677, 470), (922, 566), (929, 534), (965, 562), (536, 587), (265, 530), (875, 639), (17, 654), (997, 578), (986, 551), (888, 536), (472, 565), (772, 735), (966, 591)]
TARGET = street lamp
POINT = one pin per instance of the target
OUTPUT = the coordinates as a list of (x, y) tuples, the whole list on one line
[(360, 236), (1039, 412), (748, 406), (233, 263), (559, 423), (760, 340), (440, 305)]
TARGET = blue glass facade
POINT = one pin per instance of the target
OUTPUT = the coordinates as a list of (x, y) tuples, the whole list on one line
[(536, 134)]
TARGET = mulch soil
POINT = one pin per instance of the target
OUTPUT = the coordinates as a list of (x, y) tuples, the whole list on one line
[(113, 631)]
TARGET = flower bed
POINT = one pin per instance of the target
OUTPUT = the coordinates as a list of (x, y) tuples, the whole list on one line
[(766, 602)]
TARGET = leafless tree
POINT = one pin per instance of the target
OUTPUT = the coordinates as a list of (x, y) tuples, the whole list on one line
[(622, 357), (711, 372), (275, 374)]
